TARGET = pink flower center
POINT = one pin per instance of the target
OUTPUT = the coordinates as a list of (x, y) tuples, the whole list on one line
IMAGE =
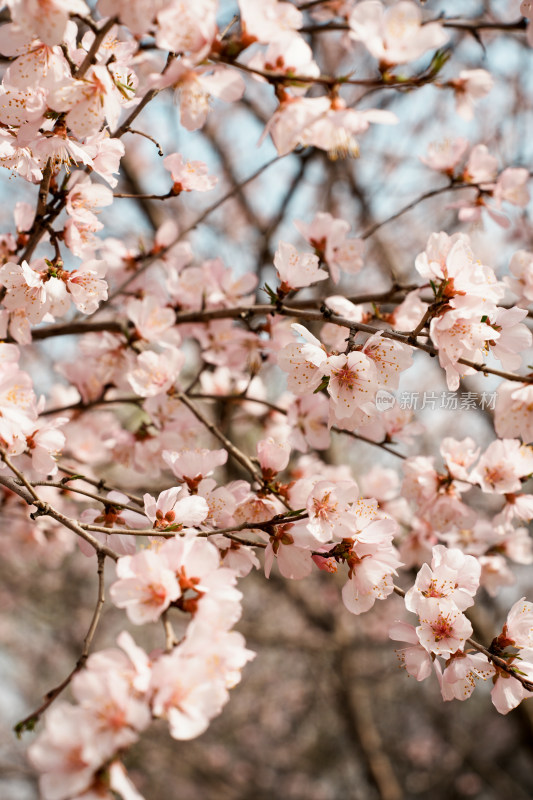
[(442, 628)]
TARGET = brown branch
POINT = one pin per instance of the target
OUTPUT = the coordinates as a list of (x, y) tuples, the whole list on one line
[(452, 186), (45, 509), (100, 484), (468, 25), (146, 260), (65, 487), (234, 451), (91, 54), (29, 722)]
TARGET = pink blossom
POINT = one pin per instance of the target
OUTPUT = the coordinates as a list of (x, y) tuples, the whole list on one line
[(452, 575), (353, 381), (145, 588), (185, 694), (458, 680), (87, 287), (155, 373), (295, 269), (269, 20), (415, 659), (134, 14), (511, 186), (308, 418), (191, 466), (502, 465), (273, 456), (459, 455), (443, 628), (395, 35), (519, 624), (174, 510), (391, 358), (330, 510), (328, 236), (446, 155), (68, 752), (459, 334), (521, 282), (319, 122), (183, 27), (371, 567), (47, 22), (304, 363), (150, 318), (88, 103), (471, 85), (513, 415), (195, 87), (189, 176), (514, 337), (84, 198), (508, 692)]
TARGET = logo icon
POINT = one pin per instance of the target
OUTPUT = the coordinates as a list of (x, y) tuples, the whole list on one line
[(384, 400)]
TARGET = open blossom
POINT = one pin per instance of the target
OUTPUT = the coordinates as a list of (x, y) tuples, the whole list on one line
[(459, 334), (303, 362), (511, 186), (323, 123), (295, 269), (513, 415), (459, 455), (514, 336), (452, 575), (145, 587), (68, 752), (151, 320), (502, 465), (461, 278), (519, 625), (269, 20), (371, 566), (353, 381), (188, 176), (273, 456), (331, 511), (87, 287), (470, 85), (185, 694), (45, 21), (84, 198), (290, 55), (328, 236), (174, 507), (508, 692), (196, 85), (462, 670), (155, 373), (185, 27), (521, 280), (308, 419), (443, 628), (394, 35), (191, 466), (415, 659), (446, 155), (88, 103)]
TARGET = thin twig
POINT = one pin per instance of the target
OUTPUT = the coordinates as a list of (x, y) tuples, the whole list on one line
[(29, 722)]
